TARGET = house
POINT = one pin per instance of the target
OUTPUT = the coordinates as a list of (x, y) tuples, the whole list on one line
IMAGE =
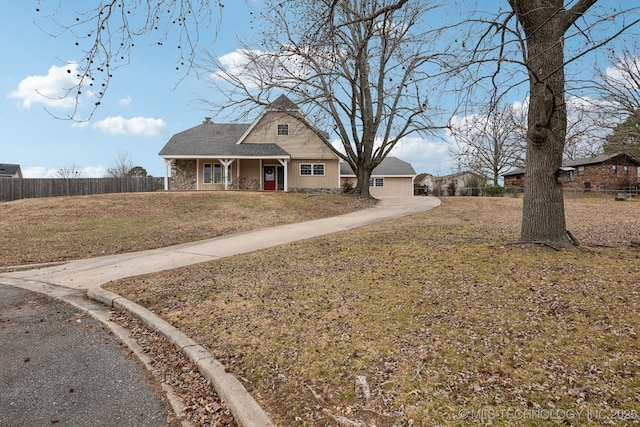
[(391, 178), (10, 171), (459, 183), (604, 172), (279, 151)]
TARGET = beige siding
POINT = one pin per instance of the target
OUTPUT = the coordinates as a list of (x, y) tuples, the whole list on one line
[(202, 185), (328, 180), (250, 174), (393, 186), (301, 143)]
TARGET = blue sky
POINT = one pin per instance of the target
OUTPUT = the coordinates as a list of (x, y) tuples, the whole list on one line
[(142, 103), (143, 106)]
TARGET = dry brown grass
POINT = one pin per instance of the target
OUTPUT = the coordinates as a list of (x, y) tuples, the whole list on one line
[(447, 323), (62, 228)]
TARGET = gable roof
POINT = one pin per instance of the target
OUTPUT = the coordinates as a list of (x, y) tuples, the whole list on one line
[(595, 160), (390, 166), (10, 170), (217, 140), (580, 162), (283, 103)]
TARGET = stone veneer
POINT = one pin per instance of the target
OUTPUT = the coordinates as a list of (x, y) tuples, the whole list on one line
[(183, 174)]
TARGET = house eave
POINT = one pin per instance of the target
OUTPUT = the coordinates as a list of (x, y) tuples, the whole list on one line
[(213, 157)]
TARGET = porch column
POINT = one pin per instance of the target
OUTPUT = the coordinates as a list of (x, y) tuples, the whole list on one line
[(167, 165), (261, 175), (226, 164), (286, 174)]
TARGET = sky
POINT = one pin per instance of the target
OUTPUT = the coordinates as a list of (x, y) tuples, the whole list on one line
[(147, 101)]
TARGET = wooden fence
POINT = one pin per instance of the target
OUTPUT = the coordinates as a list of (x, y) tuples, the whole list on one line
[(15, 188)]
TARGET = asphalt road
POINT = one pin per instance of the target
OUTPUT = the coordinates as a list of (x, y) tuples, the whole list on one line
[(59, 366)]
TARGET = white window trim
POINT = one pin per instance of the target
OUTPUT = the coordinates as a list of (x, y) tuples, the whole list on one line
[(204, 174), (282, 126), (373, 182), (313, 169)]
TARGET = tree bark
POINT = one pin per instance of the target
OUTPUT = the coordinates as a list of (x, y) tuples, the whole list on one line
[(545, 23), (364, 175)]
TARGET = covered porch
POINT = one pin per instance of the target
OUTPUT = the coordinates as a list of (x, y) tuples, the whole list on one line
[(265, 173)]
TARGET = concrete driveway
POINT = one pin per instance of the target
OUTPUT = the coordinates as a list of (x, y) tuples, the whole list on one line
[(90, 273), (68, 281)]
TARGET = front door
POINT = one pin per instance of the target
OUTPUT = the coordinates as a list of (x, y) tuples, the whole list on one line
[(270, 178)]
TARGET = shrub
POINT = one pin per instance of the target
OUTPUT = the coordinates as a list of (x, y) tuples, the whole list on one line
[(347, 186), (494, 191), (451, 189)]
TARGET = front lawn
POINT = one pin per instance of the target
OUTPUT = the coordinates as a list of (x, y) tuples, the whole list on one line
[(434, 319)]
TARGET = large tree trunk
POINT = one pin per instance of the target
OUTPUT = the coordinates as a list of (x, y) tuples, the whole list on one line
[(543, 216), (364, 175)]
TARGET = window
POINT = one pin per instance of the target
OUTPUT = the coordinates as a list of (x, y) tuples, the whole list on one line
[(580, 170), (312, 169), (305, 169), (614, 169), (283, 129), (376, 182), (625, 170), (207, 173), (217, 173)]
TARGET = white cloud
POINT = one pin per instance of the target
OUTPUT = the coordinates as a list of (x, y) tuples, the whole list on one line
[(38, 172), (93, 172), (51, 90), (425, 156), (239, 66), (125, 101), (139, 126), (43, 172)]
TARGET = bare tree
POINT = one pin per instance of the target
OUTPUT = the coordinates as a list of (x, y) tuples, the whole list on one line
[(618, 101), (490, 144), (106, 32), (122, 165), (542, 38), (618, 87), (72, 171), (359, 67), (584, 131), (625, 138)]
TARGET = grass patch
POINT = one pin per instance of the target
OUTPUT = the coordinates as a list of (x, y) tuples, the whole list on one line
[(442, 318), (62, 228)]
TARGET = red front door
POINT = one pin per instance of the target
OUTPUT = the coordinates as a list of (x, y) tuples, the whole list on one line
[(270, 178)]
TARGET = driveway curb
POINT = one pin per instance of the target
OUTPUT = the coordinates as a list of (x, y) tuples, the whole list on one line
[(242, 405)]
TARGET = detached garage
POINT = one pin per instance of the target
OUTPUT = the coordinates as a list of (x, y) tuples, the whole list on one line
[(392, 178)]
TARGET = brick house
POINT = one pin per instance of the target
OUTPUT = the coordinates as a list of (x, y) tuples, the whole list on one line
[(604, 172)]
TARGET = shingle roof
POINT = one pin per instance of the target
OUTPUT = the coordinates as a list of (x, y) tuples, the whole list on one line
[(9, 170), (217, 140), (574, 163), (283, 103), (592, 160), (390, 166)]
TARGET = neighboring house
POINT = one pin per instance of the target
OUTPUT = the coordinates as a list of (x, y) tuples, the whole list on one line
[(10, 171), (604, 172), (279, 151), (457, 183), (392, 177)]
